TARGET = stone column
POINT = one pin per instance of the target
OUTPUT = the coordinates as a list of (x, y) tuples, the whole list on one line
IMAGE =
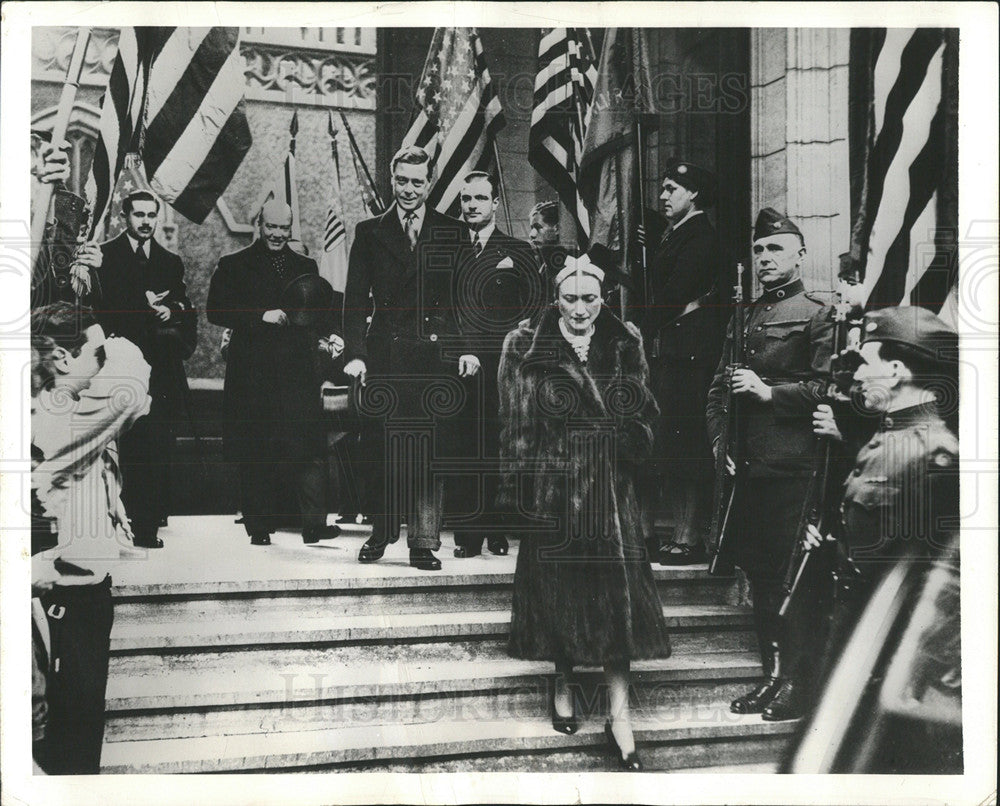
[(799, 148)]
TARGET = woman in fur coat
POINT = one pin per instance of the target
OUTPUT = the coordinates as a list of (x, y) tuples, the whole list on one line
[(577, 422)]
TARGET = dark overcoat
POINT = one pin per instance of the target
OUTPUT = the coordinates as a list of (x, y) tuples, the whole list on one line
[(573, 439), (494, 291), (683, 329), (400, 318), (271, 406), (118, 297)]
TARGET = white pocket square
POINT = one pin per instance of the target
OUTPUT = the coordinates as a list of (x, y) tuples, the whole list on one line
[(506, 263)]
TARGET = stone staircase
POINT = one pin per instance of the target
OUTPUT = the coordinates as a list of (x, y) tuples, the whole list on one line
[(386, 668)]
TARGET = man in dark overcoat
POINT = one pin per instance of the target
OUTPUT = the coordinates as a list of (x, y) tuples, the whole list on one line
[(682, 333), (138, 293), (404, 346), (788, 345), (273, 418), (497, 286)]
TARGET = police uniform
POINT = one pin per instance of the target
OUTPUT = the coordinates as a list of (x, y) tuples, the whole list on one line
[(788, 344)]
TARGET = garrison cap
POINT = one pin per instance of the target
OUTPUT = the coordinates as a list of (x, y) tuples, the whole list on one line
[(771, 222), (915, 327), (694, 178)]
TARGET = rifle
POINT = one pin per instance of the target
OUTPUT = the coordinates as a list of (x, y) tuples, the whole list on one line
[(725, 485), (814, 509)]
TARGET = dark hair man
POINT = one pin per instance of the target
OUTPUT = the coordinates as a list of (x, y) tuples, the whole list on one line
[(497, 285), (139, 293), (788, 346), (682, 334), (405, 260), (86, 391), (273, 418)]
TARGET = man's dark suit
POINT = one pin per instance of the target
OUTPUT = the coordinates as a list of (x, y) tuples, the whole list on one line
[(273, 418), (495, 290), (407, 333), (119, 300)]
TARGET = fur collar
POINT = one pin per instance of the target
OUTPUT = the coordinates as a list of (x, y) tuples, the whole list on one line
[(607, 328)]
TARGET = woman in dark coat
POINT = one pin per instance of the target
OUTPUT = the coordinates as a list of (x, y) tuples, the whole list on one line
[(577, 420)]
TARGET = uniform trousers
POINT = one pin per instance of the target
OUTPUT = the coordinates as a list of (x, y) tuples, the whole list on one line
[(767, 513)]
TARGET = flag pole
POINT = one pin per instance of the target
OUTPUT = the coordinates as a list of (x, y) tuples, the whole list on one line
[(357, 155), (40, 206), (333, 151), (291, 179), (503, 187), (638, 75)]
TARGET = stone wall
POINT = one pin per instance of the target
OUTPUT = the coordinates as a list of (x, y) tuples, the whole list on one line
[(799, 142)]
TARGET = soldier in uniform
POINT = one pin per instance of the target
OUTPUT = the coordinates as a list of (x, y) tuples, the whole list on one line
[(787, 339), (899, 522), (682, 333), (901, 498)]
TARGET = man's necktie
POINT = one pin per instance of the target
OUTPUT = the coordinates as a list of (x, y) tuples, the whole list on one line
[(410, 227), (477, 246)]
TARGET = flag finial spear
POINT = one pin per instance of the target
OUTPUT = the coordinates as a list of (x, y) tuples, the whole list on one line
[(293, 130)]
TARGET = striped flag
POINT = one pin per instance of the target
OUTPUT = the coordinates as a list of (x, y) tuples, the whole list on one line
[(458, 112), (121, 111), (175, 96), (904, 171), (333, 263), (564, 91)]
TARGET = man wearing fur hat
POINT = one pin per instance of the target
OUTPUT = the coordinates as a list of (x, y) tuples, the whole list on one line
[(787, 338)]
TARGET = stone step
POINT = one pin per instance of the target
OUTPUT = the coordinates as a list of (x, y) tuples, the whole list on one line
[(360, 595), (314, 627), (706, 735), (259, 699), (277, 657)]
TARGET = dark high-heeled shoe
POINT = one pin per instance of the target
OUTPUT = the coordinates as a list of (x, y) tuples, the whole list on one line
[(629, 763), (563, 724)]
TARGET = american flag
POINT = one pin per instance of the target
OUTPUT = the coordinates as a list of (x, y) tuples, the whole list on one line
[(121, 112), (564, 92), (175, 96), (905, 164), (333, 263), (458, 113)]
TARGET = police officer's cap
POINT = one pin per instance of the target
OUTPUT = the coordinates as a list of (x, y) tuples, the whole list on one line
[(915, 327), (695, 178), (770, 222)]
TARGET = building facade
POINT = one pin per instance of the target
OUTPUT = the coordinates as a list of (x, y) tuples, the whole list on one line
[(767, 109)]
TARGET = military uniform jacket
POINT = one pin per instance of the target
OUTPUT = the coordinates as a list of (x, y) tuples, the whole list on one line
[(118, 298), (901, 499), (788, 340)]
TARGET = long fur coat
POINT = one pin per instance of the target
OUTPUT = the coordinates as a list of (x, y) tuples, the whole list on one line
[(573, 438)]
